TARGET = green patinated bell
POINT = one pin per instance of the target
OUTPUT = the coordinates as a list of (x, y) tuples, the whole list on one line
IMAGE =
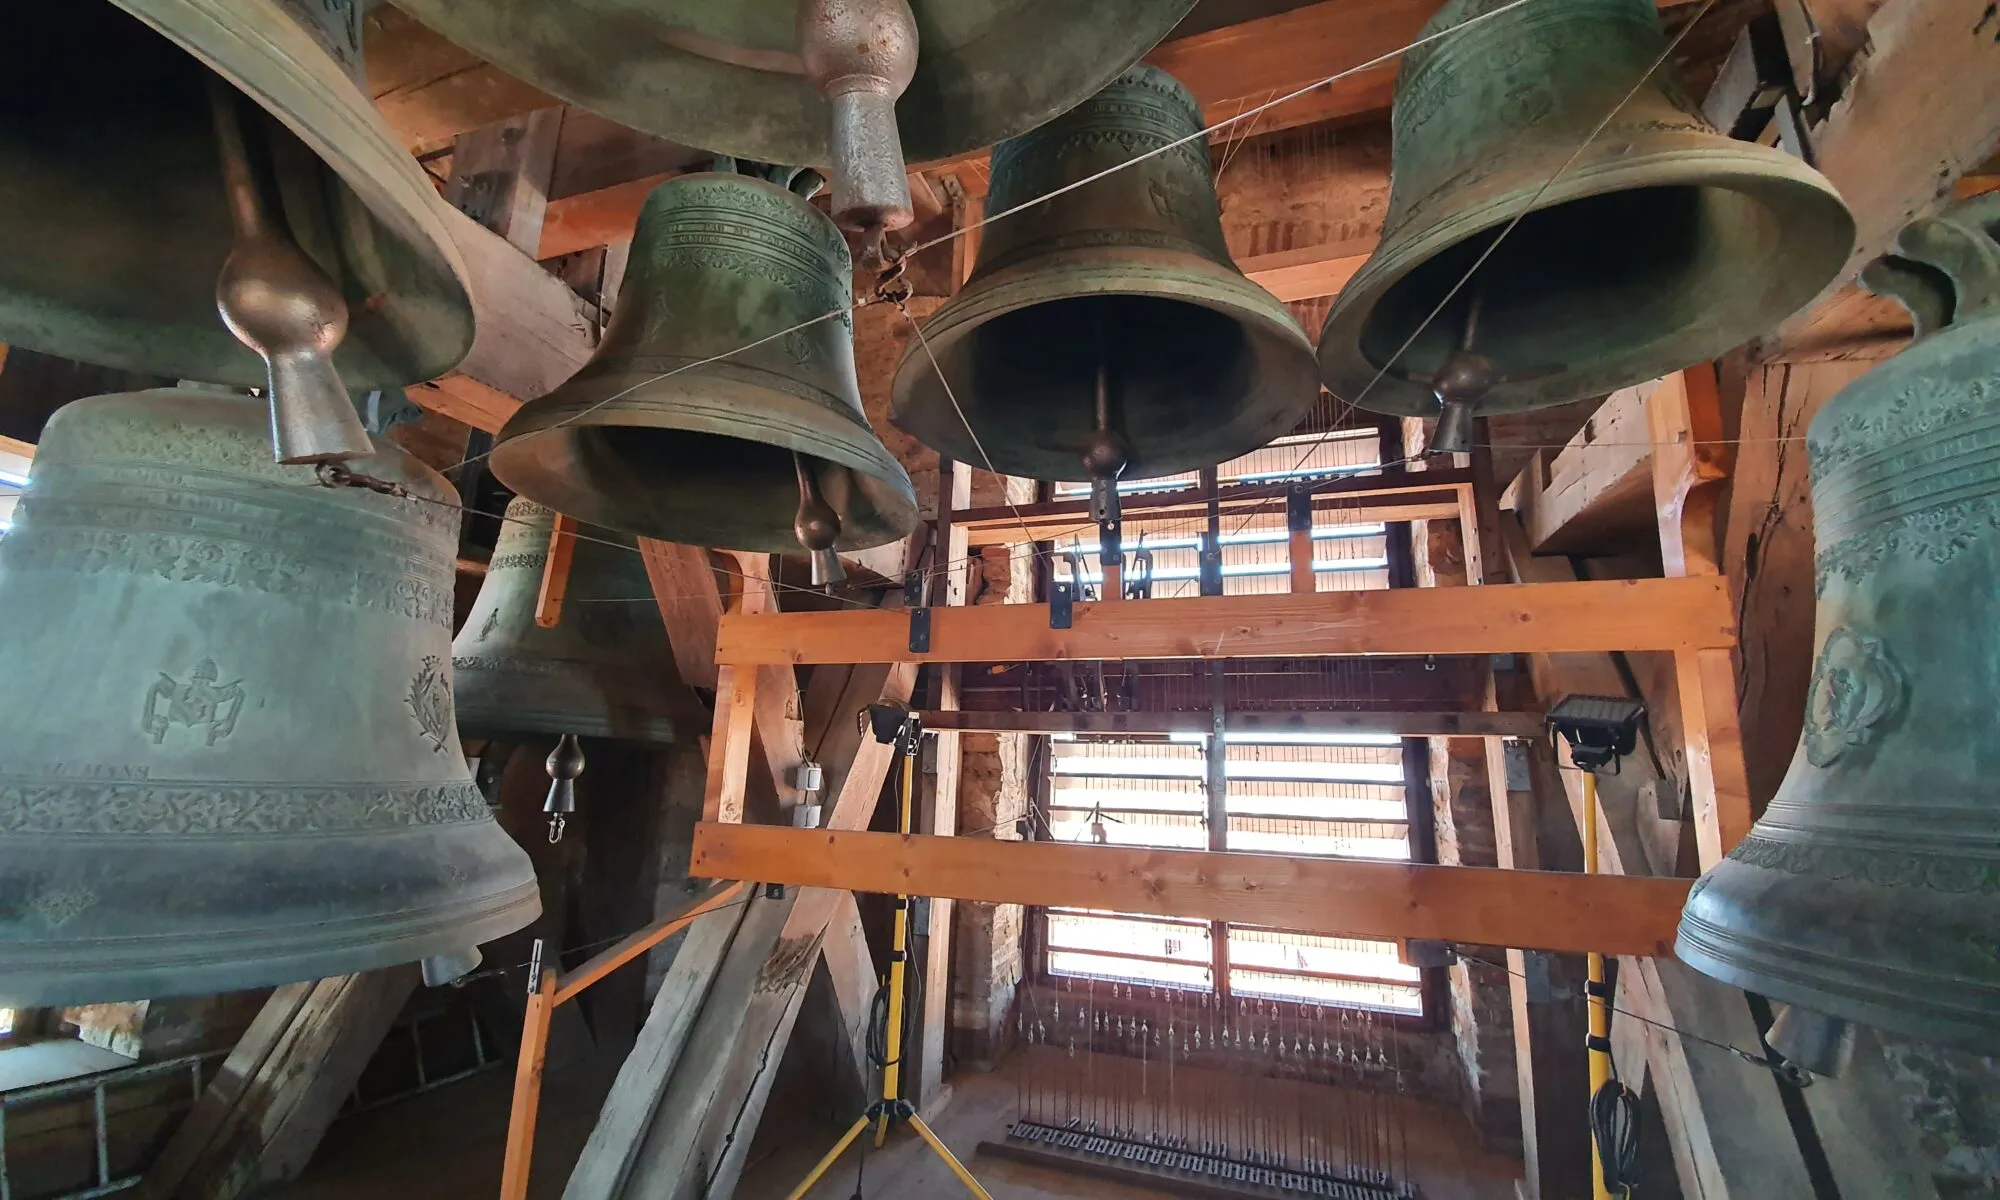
[(114, 223), (733, 76), (1117, 296), (1659, 244), (604, 671), (651, 438), (231, 760), (1869, 891)]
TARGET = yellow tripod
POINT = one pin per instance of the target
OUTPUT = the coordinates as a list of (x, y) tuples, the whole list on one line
[(891, 723)]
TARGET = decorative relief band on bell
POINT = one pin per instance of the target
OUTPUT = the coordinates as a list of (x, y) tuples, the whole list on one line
[(42, 805), (729, 197), (525, 562), (227, 564), (1933, 535), (696, 248), (1856, 687), (1027, 168), (1955, 875)]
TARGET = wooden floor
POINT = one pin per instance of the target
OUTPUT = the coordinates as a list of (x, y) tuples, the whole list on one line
[(447, 1144), (983, 1105)]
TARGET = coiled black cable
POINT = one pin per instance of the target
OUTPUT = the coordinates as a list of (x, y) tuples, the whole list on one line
[(1614, 1130)]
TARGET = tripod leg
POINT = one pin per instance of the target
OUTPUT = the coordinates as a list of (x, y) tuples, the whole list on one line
[(950, 1159), (832, 1156)]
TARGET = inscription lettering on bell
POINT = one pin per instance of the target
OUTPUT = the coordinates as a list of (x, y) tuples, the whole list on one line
[(200, 704)]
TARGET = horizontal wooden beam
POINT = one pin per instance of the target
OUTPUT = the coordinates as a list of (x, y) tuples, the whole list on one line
[(1637, 614), (1309, 272), (1404, 724), (1001, 524), (1540, 910)]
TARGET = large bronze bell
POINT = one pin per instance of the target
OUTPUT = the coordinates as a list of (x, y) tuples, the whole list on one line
[(1870, 890), (605, 670), (653, 438), (114, 219), (230, 758), (1653, 244), (829, 83), (1105, 332)]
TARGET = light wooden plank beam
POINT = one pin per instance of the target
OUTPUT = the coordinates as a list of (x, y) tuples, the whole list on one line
[(1640, 614), (1531, 909), (1404, 724), (1598, 492), (532, 332)]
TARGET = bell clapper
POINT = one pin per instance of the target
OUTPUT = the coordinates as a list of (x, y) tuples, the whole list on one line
[(817, 527), (1105, 457), (565, 763), (861, 54), (279, 303), (1462, 381)]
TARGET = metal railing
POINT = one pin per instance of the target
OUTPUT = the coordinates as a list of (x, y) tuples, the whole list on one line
[(194, 1066)]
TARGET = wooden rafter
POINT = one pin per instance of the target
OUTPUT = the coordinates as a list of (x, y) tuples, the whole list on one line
[(1405, 724)]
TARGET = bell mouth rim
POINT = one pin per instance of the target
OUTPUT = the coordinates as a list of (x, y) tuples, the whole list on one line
[(267, 54), (892, 498), (794, 125), (1789, 973), (261, 957), (1181, 276), (1801, 198)]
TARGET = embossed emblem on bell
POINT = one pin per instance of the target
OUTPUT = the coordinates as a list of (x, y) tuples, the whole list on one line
[(857, 85), (133, 173), (239, 767), (1105, 333), (605, 670), (720, 405), (1869, 891), (1642, 247)]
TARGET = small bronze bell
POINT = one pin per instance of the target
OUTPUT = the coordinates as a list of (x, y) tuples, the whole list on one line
[(604, 671), (674, 430), (1657, 244), (115, 221), (1106, 332), (231, 759), (820, 82), (1870, 889)]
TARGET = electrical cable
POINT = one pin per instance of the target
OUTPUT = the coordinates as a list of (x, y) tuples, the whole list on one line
[(1614, 1131)]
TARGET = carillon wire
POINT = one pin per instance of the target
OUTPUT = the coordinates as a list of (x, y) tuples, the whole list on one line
[(990, 218)]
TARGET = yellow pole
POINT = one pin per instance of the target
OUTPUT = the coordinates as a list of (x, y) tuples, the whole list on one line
[(1600, 1005), (899, 953)]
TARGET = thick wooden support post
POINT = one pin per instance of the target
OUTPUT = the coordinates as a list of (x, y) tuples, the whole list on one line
[(940, 818), (500, 175), (528, 1089), (265, 1115), (690, 604), (555, 572), (1690, 466), (729, 744), (614, 1145), (1548, 1021)]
